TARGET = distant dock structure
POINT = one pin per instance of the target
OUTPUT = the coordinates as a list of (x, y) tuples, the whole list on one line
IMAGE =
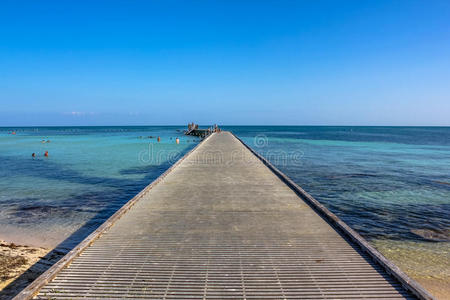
[(194, 130)]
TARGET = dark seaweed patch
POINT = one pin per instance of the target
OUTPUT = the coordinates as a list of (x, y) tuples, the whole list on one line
[(150, 169)]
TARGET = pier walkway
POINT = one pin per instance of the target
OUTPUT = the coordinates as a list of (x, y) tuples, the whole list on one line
[(220, 224)]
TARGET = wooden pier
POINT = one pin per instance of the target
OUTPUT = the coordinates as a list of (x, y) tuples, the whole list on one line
[(194, 130), (199, 132), (223, 223)]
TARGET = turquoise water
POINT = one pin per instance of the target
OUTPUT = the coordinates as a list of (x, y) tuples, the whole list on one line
[(391, 184), (385, 182), (90, 173), (388, 183)]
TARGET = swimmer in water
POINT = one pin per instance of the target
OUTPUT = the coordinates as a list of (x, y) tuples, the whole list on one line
[(159, 139), (177, 140), (33, 155), (46, 154)]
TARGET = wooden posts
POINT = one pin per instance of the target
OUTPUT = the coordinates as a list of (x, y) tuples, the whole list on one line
[(195, 131)]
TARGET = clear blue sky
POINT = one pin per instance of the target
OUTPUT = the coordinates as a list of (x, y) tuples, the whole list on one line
[(227, 62)]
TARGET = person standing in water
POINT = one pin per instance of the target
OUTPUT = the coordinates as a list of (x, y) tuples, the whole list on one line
[(159, 139), (177, 140)]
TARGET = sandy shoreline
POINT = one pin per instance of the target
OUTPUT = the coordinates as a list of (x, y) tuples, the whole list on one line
[(20, 265)]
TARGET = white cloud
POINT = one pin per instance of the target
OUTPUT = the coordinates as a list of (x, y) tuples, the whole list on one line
[(79, 113)]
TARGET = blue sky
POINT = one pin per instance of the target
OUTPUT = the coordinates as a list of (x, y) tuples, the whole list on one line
[(226, 62)]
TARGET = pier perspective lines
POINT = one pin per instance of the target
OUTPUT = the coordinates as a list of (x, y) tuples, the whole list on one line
[(227, 228)]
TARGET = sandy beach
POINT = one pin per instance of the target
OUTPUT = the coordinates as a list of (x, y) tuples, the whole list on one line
[(20, 265)]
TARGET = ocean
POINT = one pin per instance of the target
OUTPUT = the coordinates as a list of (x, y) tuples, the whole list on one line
[(390, 184)]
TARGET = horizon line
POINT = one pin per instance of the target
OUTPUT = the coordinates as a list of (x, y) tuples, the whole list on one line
[(225, 125)]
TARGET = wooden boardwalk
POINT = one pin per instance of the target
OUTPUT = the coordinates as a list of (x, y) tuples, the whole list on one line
[(221, 224)]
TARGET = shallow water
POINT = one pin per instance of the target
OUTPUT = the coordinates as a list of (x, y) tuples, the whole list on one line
[(391, 184), (89, 174)]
